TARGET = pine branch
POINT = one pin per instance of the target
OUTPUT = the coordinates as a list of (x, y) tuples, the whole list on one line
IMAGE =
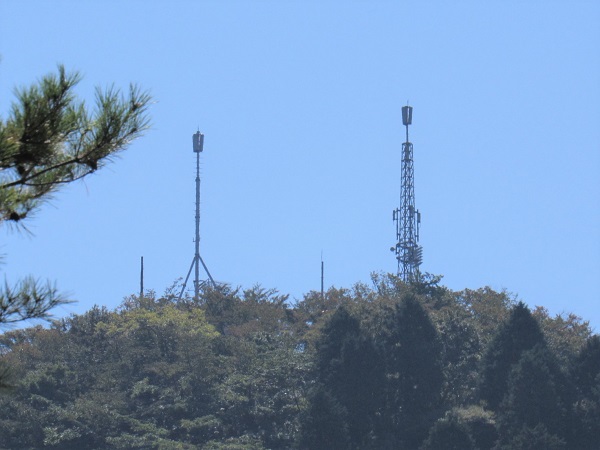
[(50, 139), (29, 299)]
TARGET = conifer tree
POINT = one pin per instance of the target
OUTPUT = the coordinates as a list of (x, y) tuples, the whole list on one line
[(351, 370), (537, 394), (359, 386), (585, 373), (586, 368), (534, 438), (521, 332), (48, 140), (336, 332), (448, 434), (324, 425), (414, 371)]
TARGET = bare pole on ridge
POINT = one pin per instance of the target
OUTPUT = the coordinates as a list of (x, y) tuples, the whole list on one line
[(322, 278), (142, 278)]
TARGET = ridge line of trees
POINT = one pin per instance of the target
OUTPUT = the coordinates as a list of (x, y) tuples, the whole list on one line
[(384, 367)]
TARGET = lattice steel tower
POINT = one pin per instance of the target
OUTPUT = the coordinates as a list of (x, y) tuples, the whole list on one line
[(408, 251)]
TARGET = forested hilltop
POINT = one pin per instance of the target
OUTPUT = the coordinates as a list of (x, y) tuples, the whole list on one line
[(384, 366)]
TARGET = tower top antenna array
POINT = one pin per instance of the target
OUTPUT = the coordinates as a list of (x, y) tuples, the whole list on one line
[(198, 146), (408, 219)]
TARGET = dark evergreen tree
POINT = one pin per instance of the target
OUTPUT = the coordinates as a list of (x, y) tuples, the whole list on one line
[(536, 438), (336, 332), (351, 369), (414, 370), (537, 394), (518, 334), (585, 374), (586, 367), (324, 425), (479, 423), (448, 435), (359, 386), (461, 349), (483, 432)]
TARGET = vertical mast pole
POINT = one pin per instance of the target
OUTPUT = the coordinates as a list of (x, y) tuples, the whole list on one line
[(142, 278), (197, 240), (322, 278)]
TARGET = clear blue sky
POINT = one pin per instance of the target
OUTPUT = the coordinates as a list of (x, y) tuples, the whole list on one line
[(300, 103)]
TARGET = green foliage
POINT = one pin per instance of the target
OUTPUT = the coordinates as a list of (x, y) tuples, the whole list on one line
[(201, 429), (586, 427), (488, 308), (29, 299), (461, 351), (537, 394), (538, 437), (5, 376), (479, 423), (341, 327), (245, 442), (350, 371), (565, 334), (519, 333), (389, 367), (585, 373), (49, 139), (586, 367), (414, 370), (360, 386), (263, 387), (325, 424), (448, 435)]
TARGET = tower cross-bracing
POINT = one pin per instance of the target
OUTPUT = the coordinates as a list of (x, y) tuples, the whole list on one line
[(408, 251)]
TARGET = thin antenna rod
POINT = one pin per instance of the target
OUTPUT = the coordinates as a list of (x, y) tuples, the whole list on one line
[(142, 278), (322, 277)]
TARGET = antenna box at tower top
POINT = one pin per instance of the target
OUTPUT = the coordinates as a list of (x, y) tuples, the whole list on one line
[(198, 139), (406, 115)]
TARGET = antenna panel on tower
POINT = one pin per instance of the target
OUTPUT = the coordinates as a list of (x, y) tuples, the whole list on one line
[(198, 140), (406, 115)]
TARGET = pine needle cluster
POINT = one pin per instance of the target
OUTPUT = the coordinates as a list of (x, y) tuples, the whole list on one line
[(50, 139)]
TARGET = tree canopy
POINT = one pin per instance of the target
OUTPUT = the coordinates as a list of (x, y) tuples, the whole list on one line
[(375, 368)]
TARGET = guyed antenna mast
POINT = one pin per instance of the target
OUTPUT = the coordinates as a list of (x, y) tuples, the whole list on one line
[(198, 145)]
